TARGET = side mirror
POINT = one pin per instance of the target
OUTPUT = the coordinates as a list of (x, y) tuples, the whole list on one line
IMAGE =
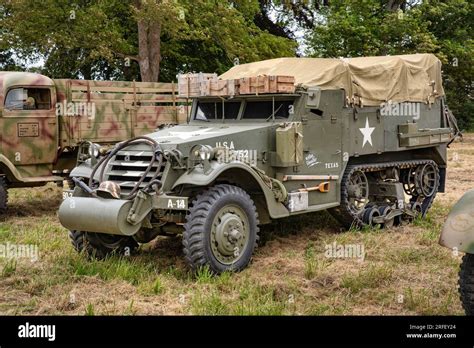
[(313, 98)]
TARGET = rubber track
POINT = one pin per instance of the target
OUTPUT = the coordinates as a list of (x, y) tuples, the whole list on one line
[(344, 215)]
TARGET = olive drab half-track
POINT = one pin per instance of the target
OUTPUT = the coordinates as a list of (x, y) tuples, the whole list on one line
[(363, 138), (47, 124)]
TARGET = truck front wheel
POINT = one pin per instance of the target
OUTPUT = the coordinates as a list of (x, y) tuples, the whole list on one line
[(98, 245), (3, 195), (221, 229), (466, 283)]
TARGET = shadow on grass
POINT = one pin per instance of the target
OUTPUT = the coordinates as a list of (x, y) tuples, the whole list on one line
[(37, 202), (293, 225)]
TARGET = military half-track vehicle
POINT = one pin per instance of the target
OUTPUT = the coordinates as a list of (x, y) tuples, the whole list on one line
[(458, 235), (345, 141), (45, 124)]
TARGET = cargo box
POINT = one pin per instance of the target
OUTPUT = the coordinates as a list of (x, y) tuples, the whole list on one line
[(191, 84), (266, 84), (218, 88)]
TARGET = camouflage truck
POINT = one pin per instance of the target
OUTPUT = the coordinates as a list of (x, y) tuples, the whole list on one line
[(342, 141), (458, 235), (46, 123)]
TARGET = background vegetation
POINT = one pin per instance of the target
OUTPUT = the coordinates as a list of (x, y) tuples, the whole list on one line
[(156, 39)]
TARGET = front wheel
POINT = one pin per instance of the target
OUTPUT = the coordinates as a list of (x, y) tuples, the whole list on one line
[(99, 245), (466, 283), (221, 229)]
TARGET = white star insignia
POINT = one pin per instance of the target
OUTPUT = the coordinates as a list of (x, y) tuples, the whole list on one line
[(187, 135), (367, 133)]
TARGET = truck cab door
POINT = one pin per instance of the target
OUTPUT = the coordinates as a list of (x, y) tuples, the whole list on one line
[(29, 128), (322, 145)]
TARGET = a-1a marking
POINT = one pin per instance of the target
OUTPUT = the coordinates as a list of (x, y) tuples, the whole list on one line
[(171, 202), (176, 203)]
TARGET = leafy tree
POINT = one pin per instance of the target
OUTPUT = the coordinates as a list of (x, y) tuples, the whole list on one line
[(352, 28), (451, 23), (90, 36), (7, 62)]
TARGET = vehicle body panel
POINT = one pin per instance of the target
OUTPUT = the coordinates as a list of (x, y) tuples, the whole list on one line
[(458, 229)]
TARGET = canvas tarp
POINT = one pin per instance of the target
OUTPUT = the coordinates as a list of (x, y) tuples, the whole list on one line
[(371, 80)]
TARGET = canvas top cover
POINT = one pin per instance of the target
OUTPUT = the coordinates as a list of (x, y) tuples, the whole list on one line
[(369, 80)]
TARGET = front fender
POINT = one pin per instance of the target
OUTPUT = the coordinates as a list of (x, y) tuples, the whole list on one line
[(197, 177), (84, 170), (15, 175), (458, 230)]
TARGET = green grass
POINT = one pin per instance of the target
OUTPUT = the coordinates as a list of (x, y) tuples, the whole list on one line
[(425, 301), (9, 268), (129, 270), (372, 277), (251, 300), (89, 311), (290, 273)]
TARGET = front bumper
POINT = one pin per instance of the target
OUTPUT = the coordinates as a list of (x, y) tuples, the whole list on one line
[(115, 216)]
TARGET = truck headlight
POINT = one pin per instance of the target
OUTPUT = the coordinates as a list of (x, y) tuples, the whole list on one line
[(94, 150), (201, 153)]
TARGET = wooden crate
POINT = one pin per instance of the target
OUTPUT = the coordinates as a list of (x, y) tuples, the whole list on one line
[(253, 85), (266, 84), (282, 84), (200, 85), (189, 85), (218, 88)]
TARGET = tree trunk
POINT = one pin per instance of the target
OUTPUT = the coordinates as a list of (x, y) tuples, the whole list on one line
[(394, 5), (149, 48)]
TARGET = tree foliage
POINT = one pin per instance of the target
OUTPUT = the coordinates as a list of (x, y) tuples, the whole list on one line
[(151, 39), (81, 38), (353, 28)]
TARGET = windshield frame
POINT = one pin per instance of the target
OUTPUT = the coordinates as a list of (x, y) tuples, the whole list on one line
[(219, 101), (243, 104)]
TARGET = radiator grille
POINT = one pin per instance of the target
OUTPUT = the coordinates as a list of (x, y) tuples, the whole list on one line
[(127, 167)]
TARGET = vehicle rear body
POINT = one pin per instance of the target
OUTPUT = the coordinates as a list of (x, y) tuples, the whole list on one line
[(43, 121)]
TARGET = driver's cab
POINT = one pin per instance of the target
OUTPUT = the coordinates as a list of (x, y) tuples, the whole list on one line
[(28, 122), (245, 108)]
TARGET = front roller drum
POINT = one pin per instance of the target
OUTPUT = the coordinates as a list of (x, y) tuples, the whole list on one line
[(99, 215)]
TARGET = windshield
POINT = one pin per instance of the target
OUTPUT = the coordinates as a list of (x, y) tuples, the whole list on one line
[(264, 109), (253, 109), (28, 99), (212, 110)]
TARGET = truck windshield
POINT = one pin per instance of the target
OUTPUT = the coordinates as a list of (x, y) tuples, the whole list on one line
[(28, 99), (264, 109), (212, 110)]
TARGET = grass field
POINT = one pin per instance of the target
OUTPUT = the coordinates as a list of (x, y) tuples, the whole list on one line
[(404, 271)]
